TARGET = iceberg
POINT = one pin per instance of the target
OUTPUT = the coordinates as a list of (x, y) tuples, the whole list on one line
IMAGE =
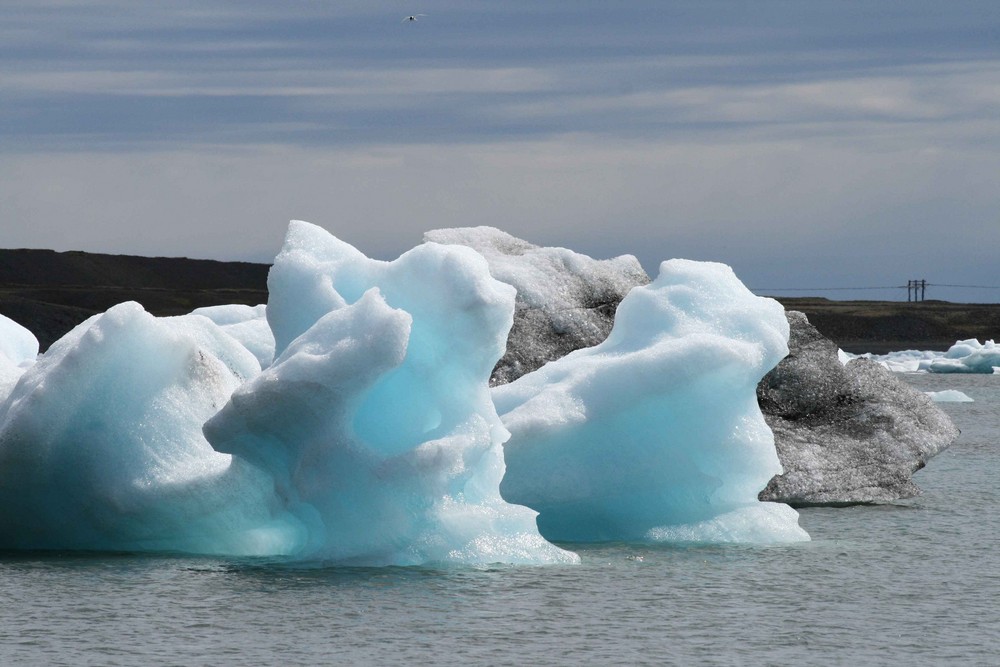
[(949, 396), (350, 419), (358, 428), (375, 419), (845, 434), (965, 356), (831, 450), (906, 361), (655, 433), (101, 444)]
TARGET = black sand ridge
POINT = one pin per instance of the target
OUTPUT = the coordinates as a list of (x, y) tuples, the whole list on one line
[(51, 292)]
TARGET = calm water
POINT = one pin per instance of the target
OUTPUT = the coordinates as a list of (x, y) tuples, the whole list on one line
[(917, 582)]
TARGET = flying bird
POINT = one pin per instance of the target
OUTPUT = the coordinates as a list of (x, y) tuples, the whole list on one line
[(412, 18)]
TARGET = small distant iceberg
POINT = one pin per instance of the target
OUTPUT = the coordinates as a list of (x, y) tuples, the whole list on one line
[(906, 361), (949, 396), (965, 356)]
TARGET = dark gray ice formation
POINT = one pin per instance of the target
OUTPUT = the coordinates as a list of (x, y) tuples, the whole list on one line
[(844, 434)]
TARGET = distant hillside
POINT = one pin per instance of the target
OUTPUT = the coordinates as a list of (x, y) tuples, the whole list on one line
[(887, 326), (51, 292)]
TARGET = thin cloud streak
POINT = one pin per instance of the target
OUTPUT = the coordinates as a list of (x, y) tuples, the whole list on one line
[(281, 83), (796, 141)]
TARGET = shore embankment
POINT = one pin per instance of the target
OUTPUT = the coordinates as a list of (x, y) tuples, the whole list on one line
[(890, 326), (51, 292)]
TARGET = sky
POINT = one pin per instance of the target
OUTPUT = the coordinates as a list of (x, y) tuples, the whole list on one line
[(812, 146)]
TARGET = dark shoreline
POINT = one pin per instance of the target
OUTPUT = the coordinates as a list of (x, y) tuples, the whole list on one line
[(51, 292), (893, 326)]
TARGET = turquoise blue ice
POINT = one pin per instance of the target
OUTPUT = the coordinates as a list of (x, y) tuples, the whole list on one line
[(655, 434), (350, 421)]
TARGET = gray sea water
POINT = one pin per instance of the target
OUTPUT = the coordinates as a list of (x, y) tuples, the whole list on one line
[(912, 583)]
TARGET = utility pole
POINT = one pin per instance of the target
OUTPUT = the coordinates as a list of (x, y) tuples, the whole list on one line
[(916, 290)]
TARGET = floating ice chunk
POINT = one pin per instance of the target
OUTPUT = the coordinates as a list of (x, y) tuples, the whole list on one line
[(101, 445), (372, 437), (966, 356), (906, 361), (949, 396), (375, 418), (655, 432), (965, 348), (845, 434)]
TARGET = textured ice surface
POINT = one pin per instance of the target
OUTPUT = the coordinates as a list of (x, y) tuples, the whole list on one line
[(375, 418), (101, 444), (18, 350), (655, 433), (247, 324), (845, 434), (371, 438), (565, 300)]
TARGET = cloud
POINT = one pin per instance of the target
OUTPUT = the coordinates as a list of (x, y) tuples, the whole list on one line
[(659, 199), (812, 140), (276, 82)]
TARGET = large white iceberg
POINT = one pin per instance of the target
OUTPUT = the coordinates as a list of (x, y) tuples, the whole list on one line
[(351, 421), (655, 434), (101, 444), (370, 439), (375, 418)]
